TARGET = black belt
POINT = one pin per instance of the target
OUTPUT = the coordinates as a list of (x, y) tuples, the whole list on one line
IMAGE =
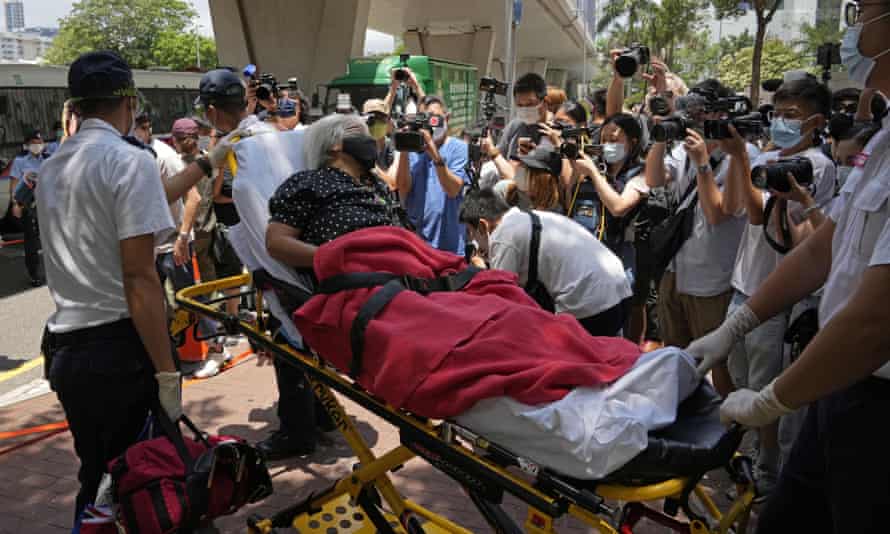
[(392, 285), (118, 329)]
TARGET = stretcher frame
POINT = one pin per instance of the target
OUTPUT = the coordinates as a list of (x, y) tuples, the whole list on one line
[(447, 447)]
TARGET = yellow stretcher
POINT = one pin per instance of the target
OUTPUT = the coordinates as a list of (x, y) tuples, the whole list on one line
[(367, 501)]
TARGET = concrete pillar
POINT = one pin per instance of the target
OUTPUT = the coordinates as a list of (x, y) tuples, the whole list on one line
[(311, 39), (475, 47)]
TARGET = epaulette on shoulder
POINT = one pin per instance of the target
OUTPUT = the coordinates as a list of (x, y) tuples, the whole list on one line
[(139, 144)]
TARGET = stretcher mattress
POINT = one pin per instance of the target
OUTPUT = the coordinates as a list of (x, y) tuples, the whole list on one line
[(439, 354), (592, 431)]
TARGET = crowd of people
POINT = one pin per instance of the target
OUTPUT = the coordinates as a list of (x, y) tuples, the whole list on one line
[(763, 249)]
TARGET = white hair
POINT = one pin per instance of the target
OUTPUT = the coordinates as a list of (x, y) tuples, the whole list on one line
[(324, 135)]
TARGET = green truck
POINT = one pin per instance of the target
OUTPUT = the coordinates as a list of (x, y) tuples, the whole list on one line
[(456, 83)]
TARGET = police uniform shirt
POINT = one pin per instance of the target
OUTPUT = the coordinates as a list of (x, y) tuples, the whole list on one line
[(26, 164), (96, 191), (862, 232)]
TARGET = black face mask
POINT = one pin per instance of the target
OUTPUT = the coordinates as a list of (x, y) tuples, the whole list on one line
[(363, 150)]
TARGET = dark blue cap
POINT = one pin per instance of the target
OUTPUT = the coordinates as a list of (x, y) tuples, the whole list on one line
[(221, 84), (544, 159), (287, 108), (100, 75)]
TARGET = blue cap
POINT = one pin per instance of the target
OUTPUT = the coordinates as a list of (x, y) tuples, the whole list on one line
[(287, 108), (100, 75), (221, 84)]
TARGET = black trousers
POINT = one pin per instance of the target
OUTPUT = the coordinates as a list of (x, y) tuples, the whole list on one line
[(31, 230), (105, 383), (299, 410), (608, 323), (837, 477)]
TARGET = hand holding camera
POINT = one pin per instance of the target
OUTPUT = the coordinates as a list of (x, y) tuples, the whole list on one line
[(734, 145), (696, 148), (488, 146), (629, 60), (796, 192), (553, 134)]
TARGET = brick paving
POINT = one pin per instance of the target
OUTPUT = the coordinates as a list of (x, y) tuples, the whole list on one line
[(38, 482)]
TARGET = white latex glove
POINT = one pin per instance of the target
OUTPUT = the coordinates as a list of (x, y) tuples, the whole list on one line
[(714, 348), (170, 393), (753, 409), (218, 153)]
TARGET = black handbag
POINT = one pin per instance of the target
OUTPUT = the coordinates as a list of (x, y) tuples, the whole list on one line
[(533, 286)]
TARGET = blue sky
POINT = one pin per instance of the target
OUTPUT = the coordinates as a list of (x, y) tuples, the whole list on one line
[(48, 13)]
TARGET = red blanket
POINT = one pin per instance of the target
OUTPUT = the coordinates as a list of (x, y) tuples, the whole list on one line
[(439, 354)]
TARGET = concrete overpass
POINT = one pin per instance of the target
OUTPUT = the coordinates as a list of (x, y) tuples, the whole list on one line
[(314, 39)]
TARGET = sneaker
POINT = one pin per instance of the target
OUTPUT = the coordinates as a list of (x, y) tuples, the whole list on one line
[(210, 368), (221, 354), (281, 445)]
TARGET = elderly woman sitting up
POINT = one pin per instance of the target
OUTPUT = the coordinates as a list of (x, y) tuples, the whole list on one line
[(339, 194)]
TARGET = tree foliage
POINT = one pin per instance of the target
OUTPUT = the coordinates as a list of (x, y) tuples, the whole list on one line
[(178, 51), (132, 28), (814, 35), (778, 58)]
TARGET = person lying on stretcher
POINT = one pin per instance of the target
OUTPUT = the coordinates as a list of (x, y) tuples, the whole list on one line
[(573, 271)]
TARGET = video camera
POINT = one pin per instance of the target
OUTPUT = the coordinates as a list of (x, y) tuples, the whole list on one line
[(489, 107), (672, 128), (775, 175), (630, 60), (266, 84), (488, 84), (410, 139)]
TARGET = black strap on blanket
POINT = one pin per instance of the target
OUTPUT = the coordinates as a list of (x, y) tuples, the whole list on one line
[(392, 285)]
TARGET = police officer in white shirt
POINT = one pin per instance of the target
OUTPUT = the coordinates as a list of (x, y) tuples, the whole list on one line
[(104, 207), (835, 479)]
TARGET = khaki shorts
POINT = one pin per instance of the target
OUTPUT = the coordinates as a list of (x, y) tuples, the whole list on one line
[(202, 243), (684, 318)]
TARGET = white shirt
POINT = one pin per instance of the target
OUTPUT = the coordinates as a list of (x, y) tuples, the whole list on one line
[(756, 258), (703, 266), (862, 232), (96, 191), (169, 164), (580, 273)]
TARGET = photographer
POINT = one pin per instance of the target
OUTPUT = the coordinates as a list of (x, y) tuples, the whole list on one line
[(590, 286), (842, 375), (380, 126), (430, 184), (523, 133), (417, 94), (695, 291), (801, 108), (620, 190)]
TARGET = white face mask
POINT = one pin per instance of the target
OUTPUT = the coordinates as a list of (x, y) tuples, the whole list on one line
[(528, 114), (521, 179), (613, 152), (858, 66), (36, 148)]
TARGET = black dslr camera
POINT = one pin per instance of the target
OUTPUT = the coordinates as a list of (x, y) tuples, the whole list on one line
[(399, 73), (575, 139), (494, 86), (267, 86), (775, 175), (410, 139), (671, 129), (630, 60), (738, 110)]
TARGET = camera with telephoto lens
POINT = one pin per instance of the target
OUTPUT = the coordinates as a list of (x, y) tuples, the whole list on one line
[(630, 60), (775, 175), (671, 129), (409, 139), (748, 126)]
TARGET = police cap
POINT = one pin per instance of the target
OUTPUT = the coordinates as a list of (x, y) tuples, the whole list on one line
[(221, 85), (100, 74)]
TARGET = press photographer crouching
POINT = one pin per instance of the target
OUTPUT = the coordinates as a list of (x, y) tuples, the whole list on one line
[(542, 248)]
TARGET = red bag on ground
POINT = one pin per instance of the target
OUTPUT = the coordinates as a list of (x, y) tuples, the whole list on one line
[(170, 483), (439, 353)]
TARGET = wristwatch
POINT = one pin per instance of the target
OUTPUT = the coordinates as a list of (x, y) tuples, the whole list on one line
[(704, 169), (204, 163), (807, 211)]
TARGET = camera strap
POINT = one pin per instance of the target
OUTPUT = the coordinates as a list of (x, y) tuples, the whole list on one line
[(784, 228)]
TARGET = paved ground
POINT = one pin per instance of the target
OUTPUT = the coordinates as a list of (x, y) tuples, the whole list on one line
[(37, 494)]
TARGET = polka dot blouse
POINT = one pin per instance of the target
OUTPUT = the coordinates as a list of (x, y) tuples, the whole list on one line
[(327, 203)]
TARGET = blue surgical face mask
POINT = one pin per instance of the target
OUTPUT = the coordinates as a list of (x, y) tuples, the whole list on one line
[(613, 152), (858, 66), (786, 133)]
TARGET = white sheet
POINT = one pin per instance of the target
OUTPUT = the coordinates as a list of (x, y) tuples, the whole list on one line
[(591, 432), (265, 161)]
